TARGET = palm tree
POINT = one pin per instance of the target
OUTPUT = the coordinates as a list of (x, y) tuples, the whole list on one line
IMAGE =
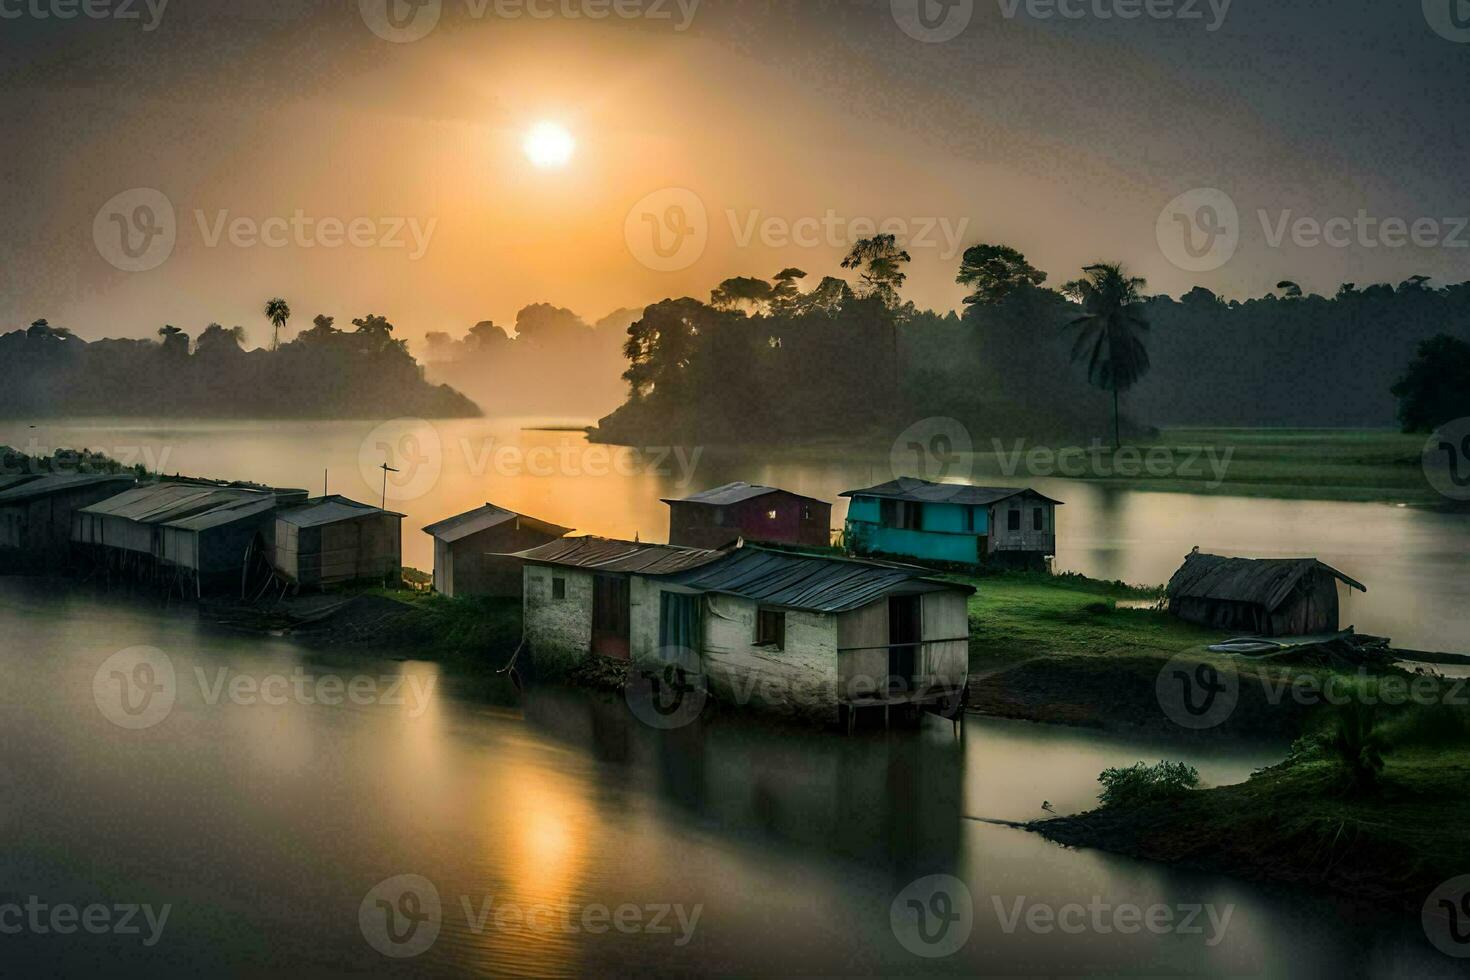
[(277, 311), (1109, 336)]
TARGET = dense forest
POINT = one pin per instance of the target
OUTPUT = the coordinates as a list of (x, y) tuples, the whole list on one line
[(555, 364), (323, 373), (765, 359)]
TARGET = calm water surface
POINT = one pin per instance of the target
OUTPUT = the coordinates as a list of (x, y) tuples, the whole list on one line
[(1415, 562), (265, 825)]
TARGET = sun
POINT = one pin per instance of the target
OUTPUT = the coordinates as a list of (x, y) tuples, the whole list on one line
[(549, 146)]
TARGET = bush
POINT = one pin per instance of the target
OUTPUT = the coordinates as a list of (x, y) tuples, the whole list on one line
[(1142, 783)]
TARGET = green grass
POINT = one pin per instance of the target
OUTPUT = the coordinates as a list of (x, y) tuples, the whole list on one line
[(1296, 824), (1019, 615)]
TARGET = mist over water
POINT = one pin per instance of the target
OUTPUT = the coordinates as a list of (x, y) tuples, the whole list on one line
[(791, 844), (1411, 559)]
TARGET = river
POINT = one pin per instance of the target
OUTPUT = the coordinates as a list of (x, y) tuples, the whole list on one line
[(1415, 562), (259, 823)]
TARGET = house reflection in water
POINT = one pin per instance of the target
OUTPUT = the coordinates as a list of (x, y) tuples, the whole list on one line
[(893, 800)]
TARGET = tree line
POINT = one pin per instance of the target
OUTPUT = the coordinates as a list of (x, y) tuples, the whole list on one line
[(1097, 357), (325, 372)]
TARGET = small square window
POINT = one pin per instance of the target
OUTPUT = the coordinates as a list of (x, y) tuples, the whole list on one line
[(771, 515), (1013, 520), (558, 588), (770, 628)]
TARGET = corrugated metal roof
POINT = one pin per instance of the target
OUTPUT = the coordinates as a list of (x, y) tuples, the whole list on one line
[(482, 519), (732, 493), (925, 491), (330, 510), (811, 582), (28, 488), (183, 505), (608, 555), (1260, 581)]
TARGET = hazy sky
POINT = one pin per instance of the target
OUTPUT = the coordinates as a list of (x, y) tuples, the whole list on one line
[(789, 124)]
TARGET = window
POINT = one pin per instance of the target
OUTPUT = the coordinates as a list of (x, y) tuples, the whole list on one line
[(1013, 520), (903, 514), (719, 517), (771, 515), (806, 512), (970, 519), (770, 628), (558, 588), (1038, 520)]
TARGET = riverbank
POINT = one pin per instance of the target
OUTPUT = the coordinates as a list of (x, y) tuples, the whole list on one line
[(1350, 465), (1296, 824)]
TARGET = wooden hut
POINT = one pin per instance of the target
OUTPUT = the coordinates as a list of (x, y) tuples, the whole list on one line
[(36, 514), (471, 550), (199, 536), (717, 518), (1264, 596), (334, 541), (953, 523)]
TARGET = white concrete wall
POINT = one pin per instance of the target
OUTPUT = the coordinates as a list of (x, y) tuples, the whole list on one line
[(558, 631), (799, 679)]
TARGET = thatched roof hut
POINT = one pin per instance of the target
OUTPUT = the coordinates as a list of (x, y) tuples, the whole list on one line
[(1268, 596)]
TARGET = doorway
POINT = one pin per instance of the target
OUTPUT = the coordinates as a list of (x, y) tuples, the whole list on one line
[(610, 617), (905, 633)]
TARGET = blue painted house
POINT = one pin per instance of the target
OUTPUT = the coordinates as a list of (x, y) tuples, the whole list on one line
[(952, 523)]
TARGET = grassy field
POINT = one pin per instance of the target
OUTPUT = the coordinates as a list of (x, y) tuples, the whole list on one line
[(1327, 464)]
